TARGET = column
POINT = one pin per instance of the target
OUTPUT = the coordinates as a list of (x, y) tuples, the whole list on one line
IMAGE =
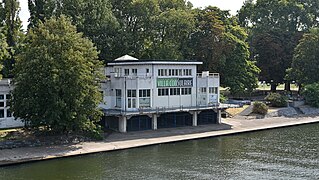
[(154, 121), (122, 124), (219, 117), (195, 118)]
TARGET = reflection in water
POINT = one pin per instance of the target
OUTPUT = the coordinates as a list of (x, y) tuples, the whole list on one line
[(290, 153)]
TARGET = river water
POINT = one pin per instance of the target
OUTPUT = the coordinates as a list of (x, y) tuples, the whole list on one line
[(288, 153)]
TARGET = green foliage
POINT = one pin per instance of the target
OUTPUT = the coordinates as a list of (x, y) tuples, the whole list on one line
[(12, 27), (305, 62), (222, 98), (311, 94), (277, 100), (260, 108), (57, 79), (3, 50), (275, 29), (221, 44)]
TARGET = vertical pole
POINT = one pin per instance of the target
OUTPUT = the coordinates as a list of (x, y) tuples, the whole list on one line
[(122, 124), (195, 118), (154, 121)]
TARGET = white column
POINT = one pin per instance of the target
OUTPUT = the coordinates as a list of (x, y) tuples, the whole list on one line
[(219, 117), (122, 124), (195, 118), (154, 121)]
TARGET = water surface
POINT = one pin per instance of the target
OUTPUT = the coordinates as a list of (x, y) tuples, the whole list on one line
[(288, 153)]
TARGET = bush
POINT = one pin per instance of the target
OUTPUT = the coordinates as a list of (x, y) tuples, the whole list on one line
[(260, 108), (222, 98), (311, 94), (277, 100)]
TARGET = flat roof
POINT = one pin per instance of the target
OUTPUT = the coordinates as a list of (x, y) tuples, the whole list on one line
[(154, 62)]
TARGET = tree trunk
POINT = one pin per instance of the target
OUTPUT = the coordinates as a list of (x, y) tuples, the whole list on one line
[(273, 87), (287, 86), (299, 89)]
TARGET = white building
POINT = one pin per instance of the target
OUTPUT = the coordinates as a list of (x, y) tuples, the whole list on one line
[(147, 94), (152, 94), (6, 118)]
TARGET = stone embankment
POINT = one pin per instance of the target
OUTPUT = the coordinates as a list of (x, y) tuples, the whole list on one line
[(118, 141)]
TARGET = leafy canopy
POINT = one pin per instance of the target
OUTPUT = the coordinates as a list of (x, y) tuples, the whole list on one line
[(57, 79)]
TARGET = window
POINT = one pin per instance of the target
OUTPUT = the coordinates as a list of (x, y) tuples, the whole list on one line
[(134, 72), (1, 96), (169, 72), (144, 97), (126, 72), (187, 72), (203, 90), (117, 71), (147, 70), (175, 91), (8, 96), (1, 104), (159, 72), (213, 90), (162, 92), (131, 98), (180, 72), (1, 113), (118, 93), (165, 72), (186, 91), (9, 113)]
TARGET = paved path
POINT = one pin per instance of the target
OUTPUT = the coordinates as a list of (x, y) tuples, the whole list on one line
[(117, 141)]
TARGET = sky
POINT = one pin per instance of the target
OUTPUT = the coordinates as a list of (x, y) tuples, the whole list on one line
[(232, 5)]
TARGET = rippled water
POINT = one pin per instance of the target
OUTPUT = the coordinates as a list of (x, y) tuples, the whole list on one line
[(289, 153)]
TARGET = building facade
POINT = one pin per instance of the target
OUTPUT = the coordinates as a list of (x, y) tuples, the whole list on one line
[(153, 94), (147, 94)]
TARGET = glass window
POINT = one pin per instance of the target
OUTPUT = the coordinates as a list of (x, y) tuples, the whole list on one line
[(1, 96), (147, 70), (1, 104), (126, 72), (162, 92), (134, 72), (131, 93), (175, 91), (8, 96), (1, 113), (9, 113), (186, 91), (144, 97), (118, 93), (159, 72), (203, 90)]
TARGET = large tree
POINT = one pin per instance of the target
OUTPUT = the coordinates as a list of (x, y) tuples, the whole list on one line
[(305, 65), (221, 44), (3, 50), (92, 17), (13, 31), (57, 79), (275, 28)]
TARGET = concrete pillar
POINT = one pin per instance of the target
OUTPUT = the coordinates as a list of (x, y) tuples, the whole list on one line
[(122, 124), (154, 121), (219, 117), (195, 113)]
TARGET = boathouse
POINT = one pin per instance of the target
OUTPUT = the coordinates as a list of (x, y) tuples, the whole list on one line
[(153, 94)]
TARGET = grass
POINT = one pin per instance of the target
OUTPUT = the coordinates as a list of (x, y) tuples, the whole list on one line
[(235, 111)]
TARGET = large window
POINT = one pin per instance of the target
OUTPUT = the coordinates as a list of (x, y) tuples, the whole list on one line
[(118, 97), (134, 72), (213, 90), (175, 91), (187, 72), (145, 97), (131, 98), (186, 91), (126, 72), (162, 92)]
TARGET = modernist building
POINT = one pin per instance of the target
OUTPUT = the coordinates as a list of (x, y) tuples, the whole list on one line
[(147, 94), (153, 94)]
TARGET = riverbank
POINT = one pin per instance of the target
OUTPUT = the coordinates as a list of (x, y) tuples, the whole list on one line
[(118, 141)]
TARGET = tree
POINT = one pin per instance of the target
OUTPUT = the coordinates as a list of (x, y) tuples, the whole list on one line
[(221, 44), (305, 65), (92, 17), (13, 32), (3, 50), (56, 79), (275, 28)]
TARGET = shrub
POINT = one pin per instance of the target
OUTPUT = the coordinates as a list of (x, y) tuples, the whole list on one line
[(311, 94), (277, 100), (222, 98), (260, 108)]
